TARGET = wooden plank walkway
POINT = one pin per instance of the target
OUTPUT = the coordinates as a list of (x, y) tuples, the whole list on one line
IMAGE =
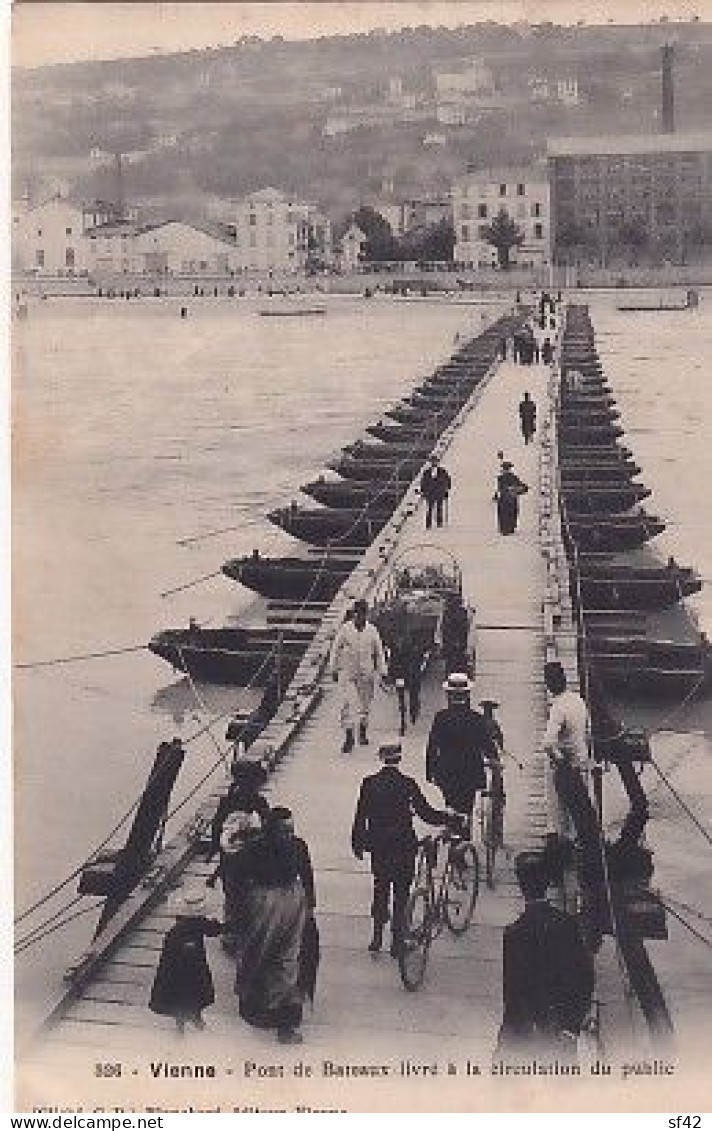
[(361, 1004)]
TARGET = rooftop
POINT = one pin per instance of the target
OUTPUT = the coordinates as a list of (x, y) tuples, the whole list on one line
[(630, 143), (512, 174)]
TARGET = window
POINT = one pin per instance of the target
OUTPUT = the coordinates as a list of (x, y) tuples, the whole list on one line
[(465, 211), (39, 231), (270, 217), (482, 211), (253, 219), (40, 258), (536, 209), (203, 264), (69, 257), (520, 190), (482, 231), (538, 231), (502, 190), (67, 231)]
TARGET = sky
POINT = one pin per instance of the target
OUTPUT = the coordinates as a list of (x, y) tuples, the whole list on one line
[(59, 31)]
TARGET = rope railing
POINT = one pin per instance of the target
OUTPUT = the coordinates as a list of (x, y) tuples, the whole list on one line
[(54, 921)]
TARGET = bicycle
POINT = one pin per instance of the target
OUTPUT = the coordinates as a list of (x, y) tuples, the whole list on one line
[(492, 803), (432, 905)]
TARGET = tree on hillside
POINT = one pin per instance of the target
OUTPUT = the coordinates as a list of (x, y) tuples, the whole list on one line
[(438, 243), (380, 244), (503, 234)]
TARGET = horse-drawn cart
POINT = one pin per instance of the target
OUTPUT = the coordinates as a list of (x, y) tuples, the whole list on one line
[(408, 612)]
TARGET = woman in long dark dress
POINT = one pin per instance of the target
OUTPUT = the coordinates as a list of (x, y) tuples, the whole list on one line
[(509, 488), (183, 985)]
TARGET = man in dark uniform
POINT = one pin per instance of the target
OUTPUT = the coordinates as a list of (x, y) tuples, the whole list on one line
[(547, 974), (458, 744), (383, 827), (435, 484)]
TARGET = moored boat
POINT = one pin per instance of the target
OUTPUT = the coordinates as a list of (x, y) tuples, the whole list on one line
[(596, 496), (610, 533), (324, 525), (316, 579), (609, 583), (231, 655), (402, 470), (354, 492)]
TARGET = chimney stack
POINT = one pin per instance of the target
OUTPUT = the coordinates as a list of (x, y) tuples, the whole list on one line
[(668, 118)]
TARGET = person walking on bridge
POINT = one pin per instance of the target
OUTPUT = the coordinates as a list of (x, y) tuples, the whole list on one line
[(458, 744), (527, 417), (357, 657), (547, 976), (383, 826), (509, 488), (435, 485)]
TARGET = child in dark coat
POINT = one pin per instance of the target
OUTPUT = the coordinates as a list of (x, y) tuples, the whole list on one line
[(183, 985)]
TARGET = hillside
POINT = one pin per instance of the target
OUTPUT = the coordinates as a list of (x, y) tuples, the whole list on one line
[(202, 127)]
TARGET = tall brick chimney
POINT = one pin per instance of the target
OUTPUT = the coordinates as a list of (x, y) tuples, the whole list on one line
[(668, 118)]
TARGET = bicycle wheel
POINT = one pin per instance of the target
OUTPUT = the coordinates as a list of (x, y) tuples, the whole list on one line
[(490, 847), (415, 943), (462, 887)]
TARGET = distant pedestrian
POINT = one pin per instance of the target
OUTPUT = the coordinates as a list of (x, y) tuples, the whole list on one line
[(435, 486), (406, 662), (547, 352), (548, 977), (527, 417), (458, 744), (383, 826), (456, 635), (357, 659), (183, 985), (509, 488)]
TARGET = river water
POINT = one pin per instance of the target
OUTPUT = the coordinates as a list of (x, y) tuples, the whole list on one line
[(137, 436), (147, 451)]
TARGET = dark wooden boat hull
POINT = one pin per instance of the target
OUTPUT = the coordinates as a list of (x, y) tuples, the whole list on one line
[(425, 431), (609, 535), (354, 493), (581, 475), (408, 414), (316, 579), (388, 453), (399, 471), (238, 656), (588, 499), (324, 526), (642, 589), (594, 434)]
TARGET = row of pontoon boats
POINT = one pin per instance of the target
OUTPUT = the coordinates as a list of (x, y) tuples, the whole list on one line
[(617, 581), (638, 635), (348, 506)]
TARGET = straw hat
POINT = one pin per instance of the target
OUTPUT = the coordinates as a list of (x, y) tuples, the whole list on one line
[(458, 682)]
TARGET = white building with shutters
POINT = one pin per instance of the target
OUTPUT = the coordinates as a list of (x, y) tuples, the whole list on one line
[(523, 193)]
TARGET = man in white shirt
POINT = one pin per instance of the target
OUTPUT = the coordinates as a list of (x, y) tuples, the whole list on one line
[(357, 657), (566, 735), (566, 741)]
